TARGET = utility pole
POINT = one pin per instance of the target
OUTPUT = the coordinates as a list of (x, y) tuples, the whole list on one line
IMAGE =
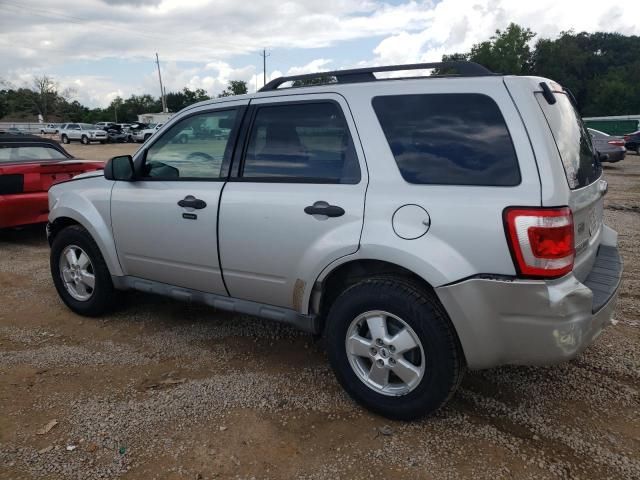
[(264, 56), (162, 95)]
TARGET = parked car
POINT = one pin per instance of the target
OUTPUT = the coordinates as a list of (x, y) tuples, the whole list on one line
[(13, 131), (421, 225), (84, 132), (116, 134), (632, 141), (104, 125), (141, 135), (29, 165), (51, 128), (611, 148)]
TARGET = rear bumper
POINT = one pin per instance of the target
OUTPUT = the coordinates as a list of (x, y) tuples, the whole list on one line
[(616, 156), (23, 209), (530, 322)]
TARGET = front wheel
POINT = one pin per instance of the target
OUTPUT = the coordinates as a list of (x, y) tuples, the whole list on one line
[(65, 139), (393, 348), (80, 273), (85, 140)]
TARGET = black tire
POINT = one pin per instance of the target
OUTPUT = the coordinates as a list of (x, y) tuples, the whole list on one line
[(422, 311), (102, 142), (65, 139), (84, 140), (103, 296)]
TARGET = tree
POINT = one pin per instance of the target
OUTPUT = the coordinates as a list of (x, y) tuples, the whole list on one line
[(235, 87), (45, 95), (310, 82), (505, 52), (176, 101)]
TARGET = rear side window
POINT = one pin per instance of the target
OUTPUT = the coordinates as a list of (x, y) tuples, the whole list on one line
[(572, 139), (448, 139), (301, 142), (29, 153)]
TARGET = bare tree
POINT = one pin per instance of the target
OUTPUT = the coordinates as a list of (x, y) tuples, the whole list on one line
[(45, 92)]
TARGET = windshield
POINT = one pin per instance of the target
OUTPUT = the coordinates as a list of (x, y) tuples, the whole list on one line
[(87, 126), (581, 166)]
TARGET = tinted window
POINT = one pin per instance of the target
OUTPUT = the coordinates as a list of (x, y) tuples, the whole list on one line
[(301, 142), (195, 147), (581, 166), (21, 154), (452, 139)]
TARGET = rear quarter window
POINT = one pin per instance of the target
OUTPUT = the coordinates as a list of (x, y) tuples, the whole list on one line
[(581, 167), (448, 139)]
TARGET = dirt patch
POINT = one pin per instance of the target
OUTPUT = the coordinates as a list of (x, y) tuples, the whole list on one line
[(160, 389)]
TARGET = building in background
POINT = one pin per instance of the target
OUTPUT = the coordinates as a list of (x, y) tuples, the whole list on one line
[(154, 117)]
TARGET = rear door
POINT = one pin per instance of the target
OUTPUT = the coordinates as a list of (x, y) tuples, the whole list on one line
[(296, 200)]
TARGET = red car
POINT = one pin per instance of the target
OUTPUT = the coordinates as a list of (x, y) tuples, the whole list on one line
[(29, 165)]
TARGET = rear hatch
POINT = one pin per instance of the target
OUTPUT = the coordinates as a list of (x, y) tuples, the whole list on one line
[(26, 177), (583, 172)]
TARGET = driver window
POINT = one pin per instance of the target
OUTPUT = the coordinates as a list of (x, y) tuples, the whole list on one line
[(193, 148)]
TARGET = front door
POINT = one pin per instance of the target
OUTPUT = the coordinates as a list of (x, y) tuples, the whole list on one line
[(165, 222), (297, 201)]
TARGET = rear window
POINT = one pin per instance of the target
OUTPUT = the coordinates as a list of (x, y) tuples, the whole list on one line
[(581, 167), (448, 139)]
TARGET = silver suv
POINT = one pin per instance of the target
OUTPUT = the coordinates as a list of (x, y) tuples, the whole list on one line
[(84, 132), (421, 225)]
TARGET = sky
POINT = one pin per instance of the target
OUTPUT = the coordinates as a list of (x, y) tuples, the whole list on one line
[(102, 49)]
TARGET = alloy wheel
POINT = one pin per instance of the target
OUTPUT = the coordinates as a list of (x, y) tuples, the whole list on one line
[(385, 353), (78, 275)]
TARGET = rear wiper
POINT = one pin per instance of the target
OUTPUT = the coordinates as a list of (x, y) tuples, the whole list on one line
[(547, 93)]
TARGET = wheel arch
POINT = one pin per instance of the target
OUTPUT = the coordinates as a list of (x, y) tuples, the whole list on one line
[(333, 281), (83, 213)]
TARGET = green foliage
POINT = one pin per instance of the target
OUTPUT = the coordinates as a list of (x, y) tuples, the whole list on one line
[(319, 80), (24, 104), (235, 87), (600, 69)]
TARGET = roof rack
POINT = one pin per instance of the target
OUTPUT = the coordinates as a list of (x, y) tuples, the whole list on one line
[(357, 75)]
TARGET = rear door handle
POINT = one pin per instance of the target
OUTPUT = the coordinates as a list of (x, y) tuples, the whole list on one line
[(192, 202), (323, 208)]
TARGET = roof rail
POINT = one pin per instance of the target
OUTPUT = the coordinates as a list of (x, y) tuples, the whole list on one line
[(356, 75)]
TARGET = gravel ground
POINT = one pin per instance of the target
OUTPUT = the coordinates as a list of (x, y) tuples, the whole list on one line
[(161, 389)]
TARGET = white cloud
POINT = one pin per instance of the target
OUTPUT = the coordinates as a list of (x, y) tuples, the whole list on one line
[(40, 35)]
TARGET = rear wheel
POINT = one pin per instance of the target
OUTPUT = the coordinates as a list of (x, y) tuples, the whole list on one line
[(80, 273), (393, 348), (85, 140), (65, 139)]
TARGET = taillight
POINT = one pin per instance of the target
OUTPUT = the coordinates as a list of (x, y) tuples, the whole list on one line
[(541, 240), (616, 143)]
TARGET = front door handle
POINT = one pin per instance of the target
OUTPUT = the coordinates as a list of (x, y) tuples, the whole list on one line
[(323, 208), (192, 202)]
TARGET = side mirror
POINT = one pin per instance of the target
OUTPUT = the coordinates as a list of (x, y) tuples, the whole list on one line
[(120, 168)]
